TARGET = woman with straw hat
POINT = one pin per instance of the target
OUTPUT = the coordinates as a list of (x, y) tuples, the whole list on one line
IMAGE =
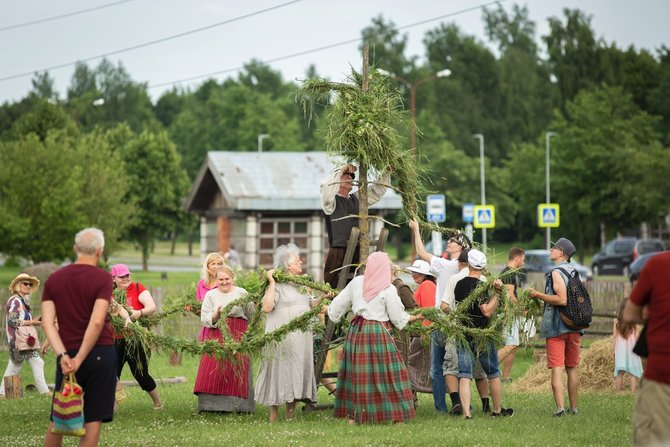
[(418, 361), (21, 333)]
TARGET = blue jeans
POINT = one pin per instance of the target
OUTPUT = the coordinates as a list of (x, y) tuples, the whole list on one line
[(436, 372)]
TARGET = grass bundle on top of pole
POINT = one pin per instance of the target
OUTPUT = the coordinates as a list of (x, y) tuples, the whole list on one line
[(365, 127)]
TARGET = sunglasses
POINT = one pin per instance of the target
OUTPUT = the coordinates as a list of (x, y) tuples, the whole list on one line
[(125, 276), (27, 284), (351, 174)]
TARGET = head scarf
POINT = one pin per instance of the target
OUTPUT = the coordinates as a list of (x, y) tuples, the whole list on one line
[(377, 275)]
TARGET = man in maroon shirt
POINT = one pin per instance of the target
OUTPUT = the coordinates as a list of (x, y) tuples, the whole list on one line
[(651, 421), (78, 296)]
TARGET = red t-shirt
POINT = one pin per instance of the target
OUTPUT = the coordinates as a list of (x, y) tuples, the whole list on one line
[(133, 300), (653, 290), (74, 290), (133, 293), (424, 295)]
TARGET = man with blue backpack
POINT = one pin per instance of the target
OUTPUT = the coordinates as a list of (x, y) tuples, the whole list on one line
[(563, 299)]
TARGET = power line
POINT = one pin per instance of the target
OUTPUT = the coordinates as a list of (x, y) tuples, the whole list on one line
[(323, 48), (62, 16), (153, 42)]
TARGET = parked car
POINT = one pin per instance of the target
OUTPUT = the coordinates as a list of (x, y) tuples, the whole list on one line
[(646, 246), (615, 258), (540, 261), (637, 265)]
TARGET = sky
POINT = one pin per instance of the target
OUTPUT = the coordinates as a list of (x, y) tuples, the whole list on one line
[(262, 29)]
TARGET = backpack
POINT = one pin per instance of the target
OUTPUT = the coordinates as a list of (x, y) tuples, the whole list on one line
[(577, 313)]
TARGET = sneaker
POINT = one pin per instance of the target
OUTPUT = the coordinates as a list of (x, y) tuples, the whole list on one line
[(573, 411), (467, 418), (559, 413), (456, 410), (504, 412)]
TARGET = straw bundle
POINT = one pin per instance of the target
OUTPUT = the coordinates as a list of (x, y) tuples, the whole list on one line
[(596, 371)]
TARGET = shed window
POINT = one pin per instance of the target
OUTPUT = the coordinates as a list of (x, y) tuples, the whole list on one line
[(276, 232)]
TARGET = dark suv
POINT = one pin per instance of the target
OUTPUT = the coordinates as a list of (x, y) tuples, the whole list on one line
[(616, 256), (539, 261)]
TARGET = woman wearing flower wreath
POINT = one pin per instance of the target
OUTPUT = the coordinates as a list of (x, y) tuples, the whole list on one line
[(372, 383), (21, 333), (223, 385), (286, 373)]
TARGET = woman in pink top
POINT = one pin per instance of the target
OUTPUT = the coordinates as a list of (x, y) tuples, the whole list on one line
[(212, 263)]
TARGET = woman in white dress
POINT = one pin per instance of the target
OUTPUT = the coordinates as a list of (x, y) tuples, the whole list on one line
[(286, 373)]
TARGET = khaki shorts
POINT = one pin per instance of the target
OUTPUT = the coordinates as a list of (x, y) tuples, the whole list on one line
[(450, 365), (651, 419)]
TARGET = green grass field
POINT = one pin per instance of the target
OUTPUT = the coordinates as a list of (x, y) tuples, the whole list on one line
[(604, 420)]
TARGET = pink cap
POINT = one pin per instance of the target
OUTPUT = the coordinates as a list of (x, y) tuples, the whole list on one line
[(120, 270)]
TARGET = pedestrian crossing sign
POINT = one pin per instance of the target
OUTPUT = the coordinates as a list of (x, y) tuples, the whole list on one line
[(485, 216), (548, 215)]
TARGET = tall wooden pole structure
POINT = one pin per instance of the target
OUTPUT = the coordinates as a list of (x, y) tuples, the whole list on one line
[(364, 241)]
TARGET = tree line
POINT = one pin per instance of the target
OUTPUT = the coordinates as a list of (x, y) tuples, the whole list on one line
[(104, 154)]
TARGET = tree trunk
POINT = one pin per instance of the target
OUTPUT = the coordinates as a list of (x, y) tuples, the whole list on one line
[(144, 245), (581, 240), (174, 242)]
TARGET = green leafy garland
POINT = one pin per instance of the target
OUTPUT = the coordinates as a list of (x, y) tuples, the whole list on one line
[(453, 324)]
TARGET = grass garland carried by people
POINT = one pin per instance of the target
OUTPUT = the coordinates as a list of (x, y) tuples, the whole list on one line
[(451, 324)]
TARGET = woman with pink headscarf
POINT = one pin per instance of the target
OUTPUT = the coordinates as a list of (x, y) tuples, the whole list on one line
[(372, 383)]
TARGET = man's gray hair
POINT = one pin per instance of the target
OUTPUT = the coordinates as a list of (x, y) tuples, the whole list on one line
[(89, 240), (284, 254)]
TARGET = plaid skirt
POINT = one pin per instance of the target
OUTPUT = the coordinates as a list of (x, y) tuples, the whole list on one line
[(373, 382)]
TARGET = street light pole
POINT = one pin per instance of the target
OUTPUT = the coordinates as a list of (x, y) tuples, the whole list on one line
[(413, 86), (412, 109), (482, 174), (261, 137), (547, 138)]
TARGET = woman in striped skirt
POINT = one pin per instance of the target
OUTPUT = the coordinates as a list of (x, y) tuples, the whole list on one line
[(222, 385), (372, 382)]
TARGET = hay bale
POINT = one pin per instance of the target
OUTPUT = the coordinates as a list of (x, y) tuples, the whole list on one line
[(596, 371)]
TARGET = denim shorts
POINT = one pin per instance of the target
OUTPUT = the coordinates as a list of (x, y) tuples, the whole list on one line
[(488, 359)]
